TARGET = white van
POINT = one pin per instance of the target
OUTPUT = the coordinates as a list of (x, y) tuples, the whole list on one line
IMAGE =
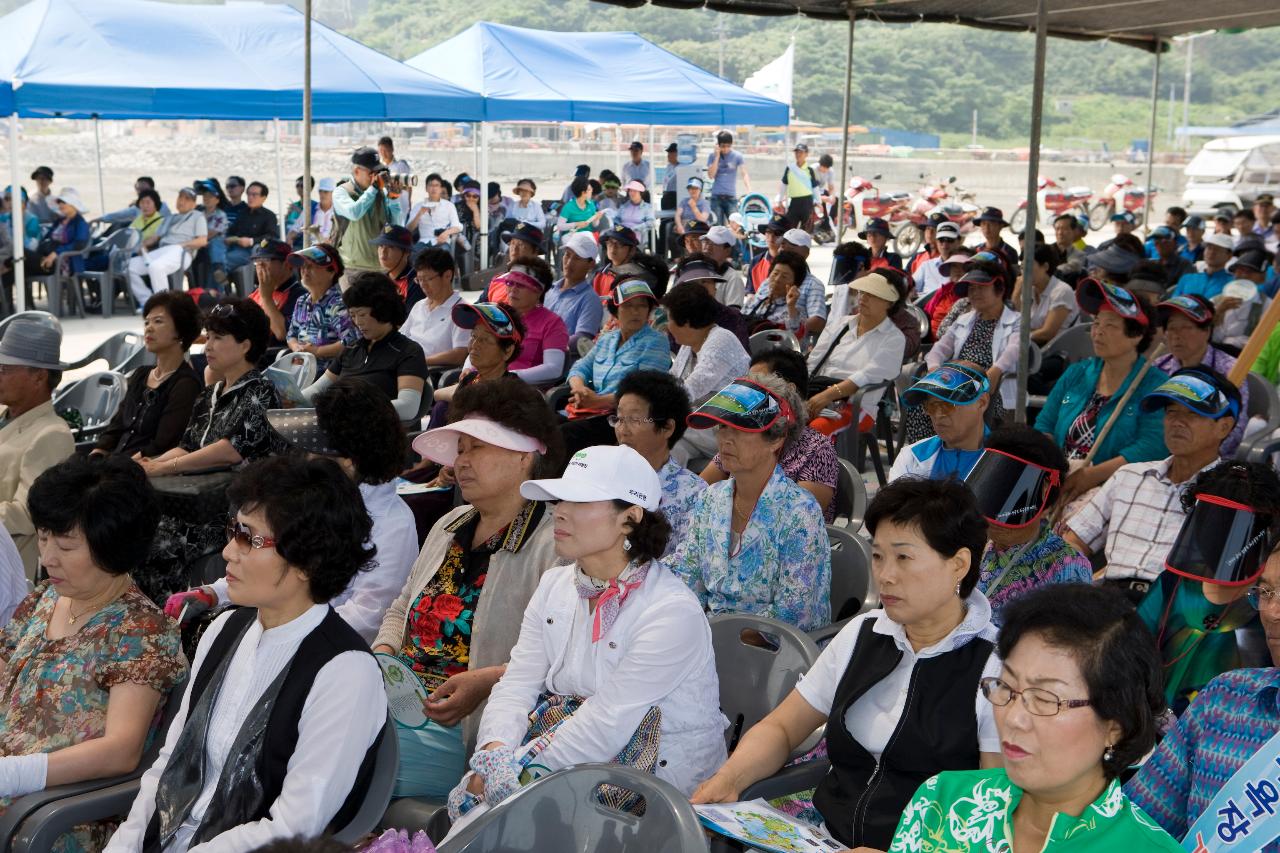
[(1232, 172)]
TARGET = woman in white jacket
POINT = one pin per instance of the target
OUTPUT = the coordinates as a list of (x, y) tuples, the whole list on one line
[(614, 660)]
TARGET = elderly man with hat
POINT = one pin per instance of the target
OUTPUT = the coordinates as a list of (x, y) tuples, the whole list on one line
[(170, 249), (276, 280), (363, 202), (1245, 299), (1165, 242), (991, 223), (42, 200), (1193, 249), (637, 168), (762, 263), (1134, 518), (719, 244), (571, 297), (955, 395), (33, 437), (799, 189), (1209, 283), (1264, 207), (395, 256)]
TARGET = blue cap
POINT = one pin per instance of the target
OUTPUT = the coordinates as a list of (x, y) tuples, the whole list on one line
[(951, 382), (1125, 216), (1200, 392)]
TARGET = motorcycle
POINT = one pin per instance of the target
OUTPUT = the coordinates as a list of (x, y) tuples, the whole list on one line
[(932, 199), (1053, 201), (873, 203), (1134, 199)]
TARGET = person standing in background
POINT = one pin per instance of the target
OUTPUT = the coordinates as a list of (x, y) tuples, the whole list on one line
[(723, 167)]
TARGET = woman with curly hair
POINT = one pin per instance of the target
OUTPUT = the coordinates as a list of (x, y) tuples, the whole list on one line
[(458, 616), (354, 424), (281, 721)]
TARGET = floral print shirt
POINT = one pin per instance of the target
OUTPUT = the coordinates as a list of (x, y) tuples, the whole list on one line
[(780, 569), (322, 323), (238, 414), (53, 693), (1013, 572), (437, 641), (681, 493), (971, 811)]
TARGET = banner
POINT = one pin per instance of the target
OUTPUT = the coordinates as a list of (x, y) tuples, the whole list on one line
[(774, 80)]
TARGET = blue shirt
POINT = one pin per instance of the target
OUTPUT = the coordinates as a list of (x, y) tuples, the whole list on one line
[(604, 367), (726, 179), (930, 458), (1203, 284), (681, 494), (579, 306)]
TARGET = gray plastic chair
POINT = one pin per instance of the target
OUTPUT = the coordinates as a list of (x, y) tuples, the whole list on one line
[(378, 793), (1264, 403), (96, 397), (850, 498), (561, 812), (754, 679), (117, 350), (244, 280), (120, 247), (853, 590), (769, 338)]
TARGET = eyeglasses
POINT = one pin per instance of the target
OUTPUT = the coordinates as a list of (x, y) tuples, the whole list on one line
[(223, 311), (1040, 703), (948, 240), (245, 537), (1260, 595), (630, 423)]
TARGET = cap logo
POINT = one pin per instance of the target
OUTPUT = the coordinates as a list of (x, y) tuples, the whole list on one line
[(641, 495)]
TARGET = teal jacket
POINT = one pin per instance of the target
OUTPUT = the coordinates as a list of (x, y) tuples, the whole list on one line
[(1136, 437)]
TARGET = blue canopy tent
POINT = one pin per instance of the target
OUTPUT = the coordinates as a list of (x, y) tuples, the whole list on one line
[(610, 78), (136, 59)]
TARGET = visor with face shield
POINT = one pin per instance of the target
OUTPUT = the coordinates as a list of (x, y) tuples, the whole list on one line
[(1011, 491), (1221, 542)]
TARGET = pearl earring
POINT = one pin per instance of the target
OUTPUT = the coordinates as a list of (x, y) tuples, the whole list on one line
[(1108, 755)]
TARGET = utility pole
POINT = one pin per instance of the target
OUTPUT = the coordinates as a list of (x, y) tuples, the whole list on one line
[(720, 41), (973, 137), (1186, 96)]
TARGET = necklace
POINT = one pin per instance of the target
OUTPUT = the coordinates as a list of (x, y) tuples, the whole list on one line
[(94, 605), (158, 377)]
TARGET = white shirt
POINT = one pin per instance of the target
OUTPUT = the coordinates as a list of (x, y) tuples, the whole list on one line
[(721, 360), (395, 534), (344, 712), (1238, 323), (433, 328), (531, 213), (733, 290), (1057, 294), (929, 277), (865, 359), (657, 652), (323, 220), (439, 214), (13, 577), (872, 718)]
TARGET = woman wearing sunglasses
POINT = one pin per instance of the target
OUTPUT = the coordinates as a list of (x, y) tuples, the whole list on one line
[(1076, 703), (1085, 397), (1017, 481), (228, 426), (320, 324), (277, 733)]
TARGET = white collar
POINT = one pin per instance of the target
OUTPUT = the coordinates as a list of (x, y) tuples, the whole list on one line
[(295, 629), (975, 624)]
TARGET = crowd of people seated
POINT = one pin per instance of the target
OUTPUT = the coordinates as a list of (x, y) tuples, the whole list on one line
[(534, 503)]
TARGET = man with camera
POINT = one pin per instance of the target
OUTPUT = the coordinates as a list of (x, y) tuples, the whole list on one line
[(363, 209)]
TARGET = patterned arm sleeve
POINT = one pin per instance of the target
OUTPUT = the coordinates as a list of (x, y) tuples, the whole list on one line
[(145, 650), (802, 594), (252, 436), (1162, 787)]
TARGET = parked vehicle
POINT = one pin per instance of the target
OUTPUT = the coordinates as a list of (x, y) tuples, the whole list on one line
[(1130, 196), (1231, 173), (1053, 201)]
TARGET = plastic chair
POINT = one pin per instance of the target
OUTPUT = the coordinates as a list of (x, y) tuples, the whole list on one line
[(769, 338), (853, 589), (95, 397), (921, 318), (34, 821), (378, 794), (61, 285), (120, 247), (850, 498), (563, 812), (117, 350), (1264, 403), (758, 662), (244, 280), (301, 364), (849, 441)]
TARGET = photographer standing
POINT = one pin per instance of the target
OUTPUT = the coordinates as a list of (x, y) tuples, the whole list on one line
[(363, 209)]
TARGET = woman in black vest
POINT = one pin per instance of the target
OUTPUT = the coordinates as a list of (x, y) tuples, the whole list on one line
[(897, 687), (277, 733)]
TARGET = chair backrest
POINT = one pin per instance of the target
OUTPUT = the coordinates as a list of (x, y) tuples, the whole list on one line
[(851, 583), (39, 316), (96, 397), (921, 318), (122, 246), (117, 350), (758, 662), (1073, 342), (563, 812), (377, 796), (851, 497), (301, 364), (1264, 402), (769, 338)]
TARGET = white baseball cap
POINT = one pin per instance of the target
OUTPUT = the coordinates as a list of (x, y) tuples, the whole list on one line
[(1222, 241), (797, 237), (947, 229), (327, 185), (582, 244), (721, 235), (601, 473)]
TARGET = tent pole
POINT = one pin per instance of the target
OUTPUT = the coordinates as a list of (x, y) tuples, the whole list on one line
[(475, 149), (97, 151), (1151, 138), (484, 195), (279, 176), (618, 153), (306, 125), (1033, 210), (19, 210), (842, 181)]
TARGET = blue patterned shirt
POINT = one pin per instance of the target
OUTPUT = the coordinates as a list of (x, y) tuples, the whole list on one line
[(321, 323), (605, 365), (681, 493), (782, 568), (812, 303), (1223, 727)]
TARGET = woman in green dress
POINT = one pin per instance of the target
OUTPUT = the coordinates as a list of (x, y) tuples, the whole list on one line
[(1075, 704)]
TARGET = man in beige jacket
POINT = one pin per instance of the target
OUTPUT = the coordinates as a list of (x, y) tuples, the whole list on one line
[(32, 436)]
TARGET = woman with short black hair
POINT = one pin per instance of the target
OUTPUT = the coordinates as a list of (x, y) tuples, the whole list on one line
[(1076, 704), (280, 725), (897, 687), (158, 401), (383, 357)]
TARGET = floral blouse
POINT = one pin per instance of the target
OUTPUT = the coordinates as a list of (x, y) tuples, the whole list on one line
[(238, 414), (681, 493), (971, 811), (1013, 572), (780, 569), (53, 693)]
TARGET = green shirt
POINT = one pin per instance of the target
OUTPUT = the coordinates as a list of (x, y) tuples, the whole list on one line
[(1268, 363), (971, 811)]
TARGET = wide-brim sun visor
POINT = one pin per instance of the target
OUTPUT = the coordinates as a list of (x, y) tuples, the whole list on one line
[(1012, 492), (957, 384), (1221, 542), (742, 405)]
